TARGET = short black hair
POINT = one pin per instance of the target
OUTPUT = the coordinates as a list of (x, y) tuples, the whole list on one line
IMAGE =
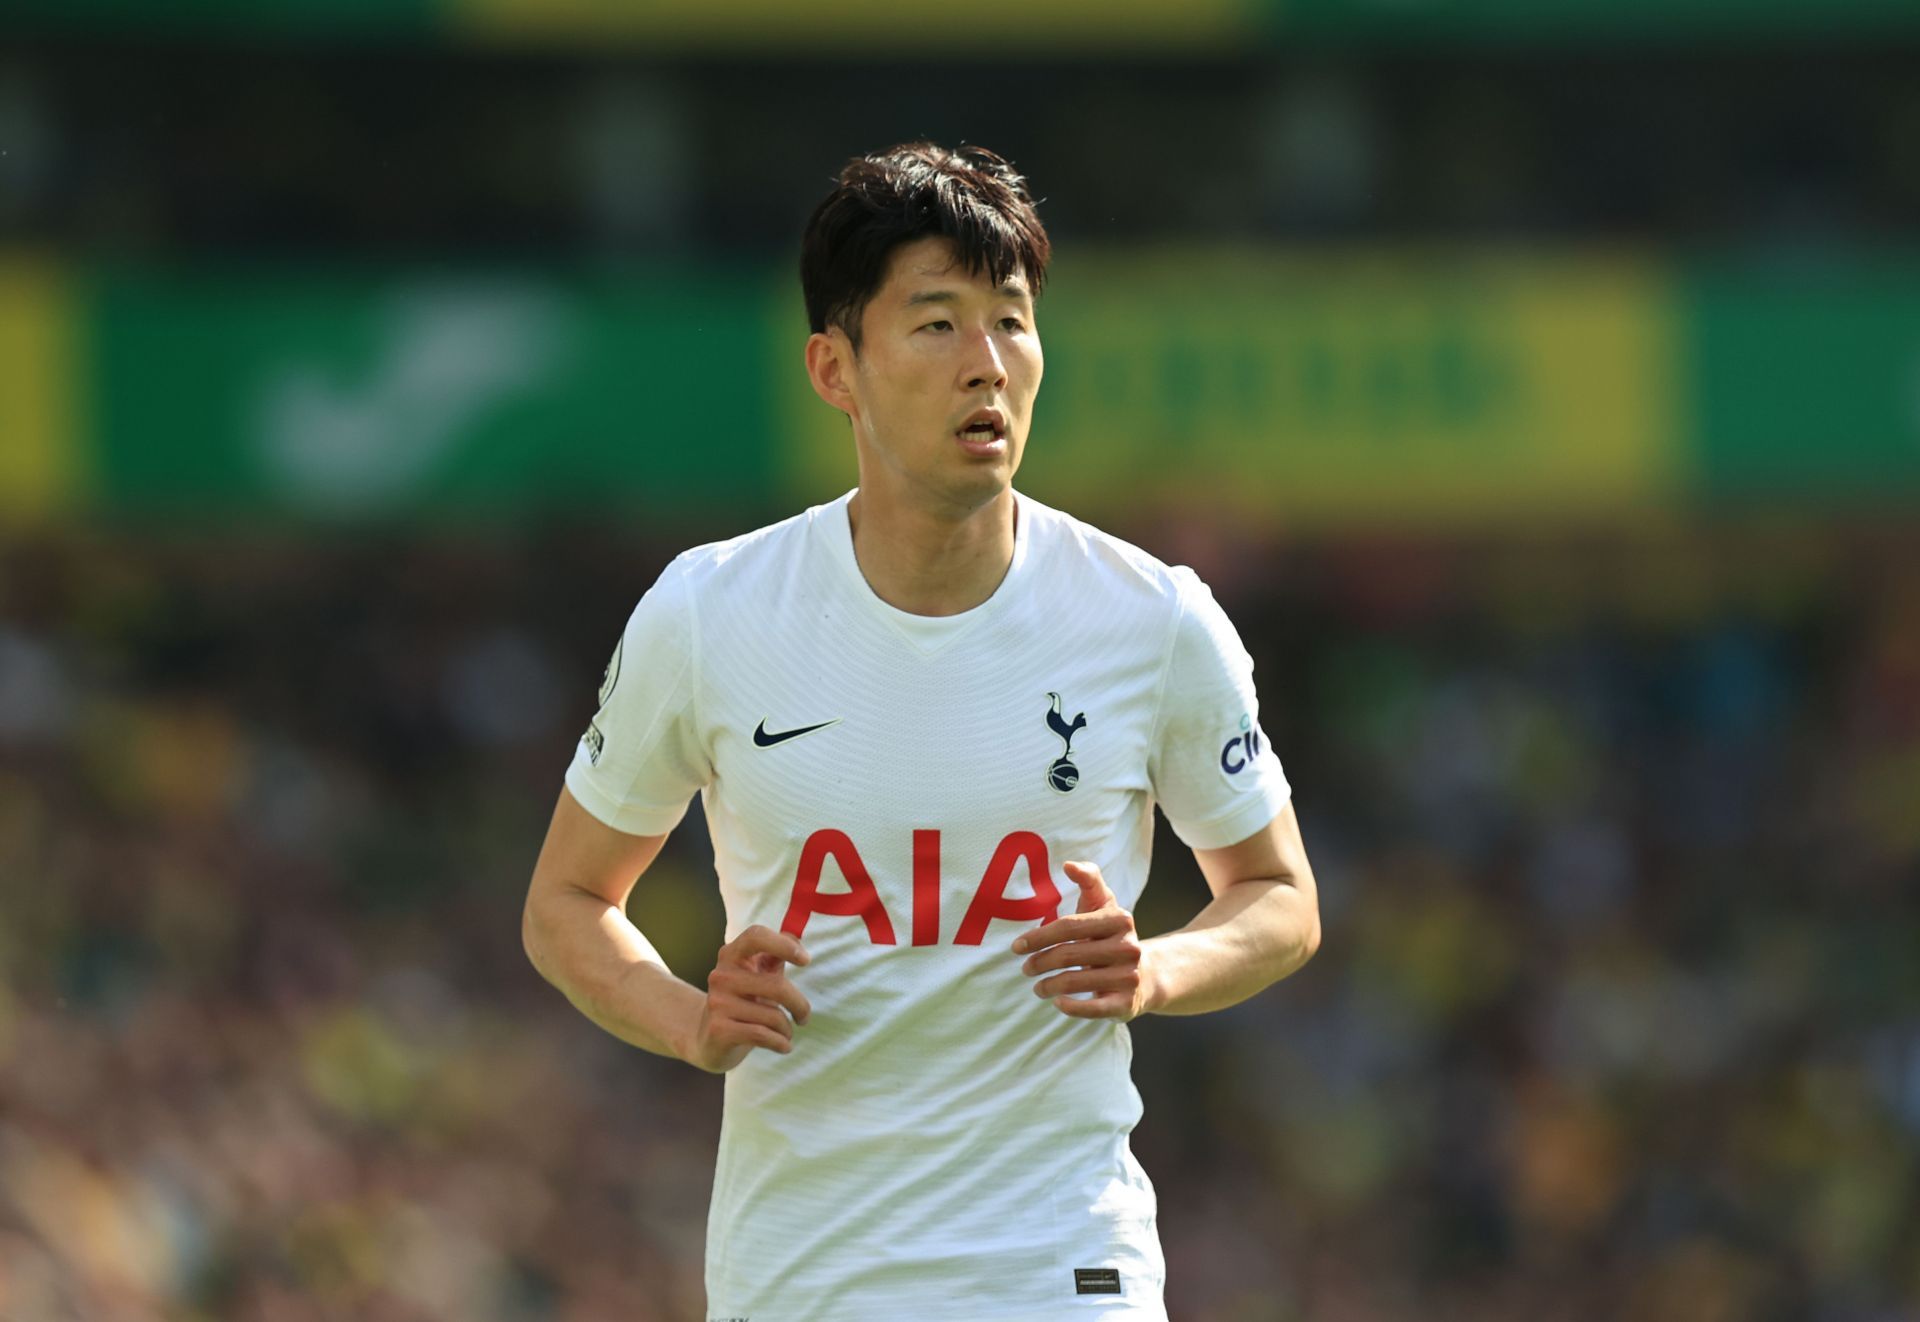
[(969, 195)]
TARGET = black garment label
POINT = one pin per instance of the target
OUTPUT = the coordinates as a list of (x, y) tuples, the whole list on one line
[(1096, 1280)]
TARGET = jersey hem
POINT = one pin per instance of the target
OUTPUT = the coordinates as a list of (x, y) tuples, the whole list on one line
[(1088, 1311)]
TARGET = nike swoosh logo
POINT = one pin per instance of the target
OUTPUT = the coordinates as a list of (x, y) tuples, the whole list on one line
[(763, 739)]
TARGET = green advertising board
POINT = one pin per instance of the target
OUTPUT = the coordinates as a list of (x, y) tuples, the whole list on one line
[(1806, 379), (1327, 389), (282, 18), (346, 394)]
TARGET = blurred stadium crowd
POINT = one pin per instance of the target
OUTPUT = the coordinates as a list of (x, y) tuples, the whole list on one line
[(1617, 827), (1617, 1015)]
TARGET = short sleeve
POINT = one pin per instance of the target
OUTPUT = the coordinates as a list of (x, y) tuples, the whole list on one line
[(642, 758), (1212, 769)]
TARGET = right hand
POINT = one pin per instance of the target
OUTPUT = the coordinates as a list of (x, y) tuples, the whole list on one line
[(750, 1000)]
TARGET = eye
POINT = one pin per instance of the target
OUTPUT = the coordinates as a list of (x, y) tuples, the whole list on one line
[(1012, 323), (938, 325)]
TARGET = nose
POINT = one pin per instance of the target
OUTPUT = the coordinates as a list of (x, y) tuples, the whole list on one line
[(983, 364)]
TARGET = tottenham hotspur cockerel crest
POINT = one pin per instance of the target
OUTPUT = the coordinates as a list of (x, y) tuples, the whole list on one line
[(1063, 775)]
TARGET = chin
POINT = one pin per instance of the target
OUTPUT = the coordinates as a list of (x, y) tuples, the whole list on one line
[(980, 483)]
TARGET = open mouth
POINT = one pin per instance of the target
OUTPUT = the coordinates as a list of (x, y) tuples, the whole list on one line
[(983, 428)]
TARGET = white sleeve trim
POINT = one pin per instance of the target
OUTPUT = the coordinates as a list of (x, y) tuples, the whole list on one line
[(1239, 822), (629, 818)]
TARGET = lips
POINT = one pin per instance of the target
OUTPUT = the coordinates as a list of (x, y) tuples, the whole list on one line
[(983, 425)]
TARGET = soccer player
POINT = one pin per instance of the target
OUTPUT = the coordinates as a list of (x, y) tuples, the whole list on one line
[(929, 722)]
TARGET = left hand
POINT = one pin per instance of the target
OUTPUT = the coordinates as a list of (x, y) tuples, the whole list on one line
[(1098, 946)]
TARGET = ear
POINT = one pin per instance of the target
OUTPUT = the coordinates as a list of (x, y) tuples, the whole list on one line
[(829, 366)]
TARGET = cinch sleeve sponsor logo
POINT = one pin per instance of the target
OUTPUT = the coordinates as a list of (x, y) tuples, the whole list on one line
[(1240, 751)]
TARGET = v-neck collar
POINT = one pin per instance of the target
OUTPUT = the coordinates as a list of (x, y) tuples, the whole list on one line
[(928, 633)]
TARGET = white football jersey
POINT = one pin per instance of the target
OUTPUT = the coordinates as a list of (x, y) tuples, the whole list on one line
[(900, 791)]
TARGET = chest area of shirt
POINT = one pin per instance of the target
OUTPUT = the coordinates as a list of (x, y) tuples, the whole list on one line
[(1038, 733)]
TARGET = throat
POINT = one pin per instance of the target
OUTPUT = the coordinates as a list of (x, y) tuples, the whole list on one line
[(927, 565)]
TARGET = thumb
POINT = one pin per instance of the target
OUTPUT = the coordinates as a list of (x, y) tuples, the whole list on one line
[(1094, 893)]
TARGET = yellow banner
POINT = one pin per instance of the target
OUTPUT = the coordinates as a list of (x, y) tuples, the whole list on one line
[(1350, 387), (40, 468)]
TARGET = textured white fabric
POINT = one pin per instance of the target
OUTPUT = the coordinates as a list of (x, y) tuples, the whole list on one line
[(941, 1144)]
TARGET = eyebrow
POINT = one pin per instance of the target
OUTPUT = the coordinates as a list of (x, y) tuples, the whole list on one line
[(1008, 290)]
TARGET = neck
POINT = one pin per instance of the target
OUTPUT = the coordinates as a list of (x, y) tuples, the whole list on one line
[(931, 561)]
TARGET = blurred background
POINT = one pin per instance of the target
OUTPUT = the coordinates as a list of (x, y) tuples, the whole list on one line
[(1537, 384)]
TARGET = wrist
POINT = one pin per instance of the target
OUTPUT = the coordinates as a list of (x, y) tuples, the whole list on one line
[(663, 1009), (683, 1031), (1153, 982)]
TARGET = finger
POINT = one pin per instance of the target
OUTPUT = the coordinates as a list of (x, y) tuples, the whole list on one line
[(1094, 893), (1122, 948), (735, 1009), (1114, 1006), (1079, 927), (731, 1032), (761, 940), (1120, 981), (765, 986)]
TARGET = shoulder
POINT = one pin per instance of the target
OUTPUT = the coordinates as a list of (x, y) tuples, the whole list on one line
[(1081, 556), (724, 566)]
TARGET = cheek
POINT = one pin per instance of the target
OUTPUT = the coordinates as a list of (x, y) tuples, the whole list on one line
[(914, 369), (1032, 365), (912, 398), (896, 383)]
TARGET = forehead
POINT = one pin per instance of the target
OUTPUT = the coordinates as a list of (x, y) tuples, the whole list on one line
[(930, 266)]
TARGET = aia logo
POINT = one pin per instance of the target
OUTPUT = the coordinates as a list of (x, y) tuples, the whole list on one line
[(862, 899), (1063, 775)]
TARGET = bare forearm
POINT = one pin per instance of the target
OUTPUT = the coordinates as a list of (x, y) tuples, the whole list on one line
[(1249, 938), (604, 965)]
